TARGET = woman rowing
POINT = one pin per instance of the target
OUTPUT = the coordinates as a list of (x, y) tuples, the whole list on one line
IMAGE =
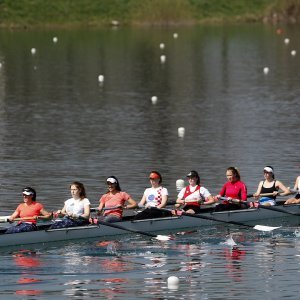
[(192, 196), (234, 190), (268, 188), (28, 213), (296, 199), (153, 199), (114, 201), (76, 210)]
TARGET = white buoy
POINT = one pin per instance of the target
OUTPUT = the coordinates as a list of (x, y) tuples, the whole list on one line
[(162, 46), (179, 185), (293, 52), (173, 282), (266, 70), (162, 59), (33, 51), (181, 132), (55, 39), (115, 23), (0, 65), (175, 35), (154, 99), (101, 78), (286, 41)]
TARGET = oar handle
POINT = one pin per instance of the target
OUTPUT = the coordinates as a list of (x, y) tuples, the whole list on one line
[(29, 218), (292, 191), (95, 209), (232, 200)]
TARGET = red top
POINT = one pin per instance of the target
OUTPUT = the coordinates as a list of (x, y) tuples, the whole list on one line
[(188, 192), (110, 200), (234, 190), (31, 210)]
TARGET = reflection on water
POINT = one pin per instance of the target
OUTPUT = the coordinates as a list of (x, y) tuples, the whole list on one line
[(28, 262), (206, 265)]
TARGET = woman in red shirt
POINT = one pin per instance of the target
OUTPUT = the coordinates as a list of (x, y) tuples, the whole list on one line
[(234, 190), (29, 211), (116, 200)]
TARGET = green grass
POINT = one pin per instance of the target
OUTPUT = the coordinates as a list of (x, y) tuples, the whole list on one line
[(33, 13)]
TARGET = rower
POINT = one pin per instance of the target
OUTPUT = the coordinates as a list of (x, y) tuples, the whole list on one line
[(296, 199), (76, 210), (191, 196), (28, 212), (154, 198), (115, 198), (269, 187), (234, 190)]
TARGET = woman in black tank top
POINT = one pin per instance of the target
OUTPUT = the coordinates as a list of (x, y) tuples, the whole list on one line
[(268, 189)]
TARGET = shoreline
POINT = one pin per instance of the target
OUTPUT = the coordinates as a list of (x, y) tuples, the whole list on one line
[(62, 14)]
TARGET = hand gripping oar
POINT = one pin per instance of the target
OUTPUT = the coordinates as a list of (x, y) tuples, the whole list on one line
[(114, 225), (204, 217), (292, 191), (5, 219)]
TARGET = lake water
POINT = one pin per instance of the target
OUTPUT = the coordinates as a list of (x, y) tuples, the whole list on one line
[(59, 124)]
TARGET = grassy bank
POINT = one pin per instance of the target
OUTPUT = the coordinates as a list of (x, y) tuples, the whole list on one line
[(70, 13)]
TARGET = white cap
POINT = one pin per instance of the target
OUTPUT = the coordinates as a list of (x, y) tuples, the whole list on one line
[(111, 180), (269, 170)]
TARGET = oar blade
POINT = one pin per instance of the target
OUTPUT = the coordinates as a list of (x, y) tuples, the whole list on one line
[(163, 237), (265, 228)]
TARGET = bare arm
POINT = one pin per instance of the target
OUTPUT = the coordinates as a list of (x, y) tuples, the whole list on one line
[(281, 186), (180, 201), (296, 183), (44, 214), (143, 201), (132, 204), (14, 215), (258, 191), (62, 211), (209, 200), (87, 211), (164, 201)]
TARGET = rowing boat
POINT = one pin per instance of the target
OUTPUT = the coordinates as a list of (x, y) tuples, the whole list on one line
[(46, 235)]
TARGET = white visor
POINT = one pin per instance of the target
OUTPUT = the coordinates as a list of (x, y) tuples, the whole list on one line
[(268, 169), (27, 193), (111, 180)]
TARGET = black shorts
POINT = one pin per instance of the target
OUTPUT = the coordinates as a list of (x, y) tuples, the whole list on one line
[(297, 196), (151, 213)]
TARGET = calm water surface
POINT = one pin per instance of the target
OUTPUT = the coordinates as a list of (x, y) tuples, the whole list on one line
[(58, 124)]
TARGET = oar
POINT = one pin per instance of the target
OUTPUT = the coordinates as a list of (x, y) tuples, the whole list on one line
[(292, 191), (96, 209), (278, 210), (114, 225), (273, 208), (200, 216), (6, 219)]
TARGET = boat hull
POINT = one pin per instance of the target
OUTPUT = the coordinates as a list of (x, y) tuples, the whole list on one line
[(254, 216)]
